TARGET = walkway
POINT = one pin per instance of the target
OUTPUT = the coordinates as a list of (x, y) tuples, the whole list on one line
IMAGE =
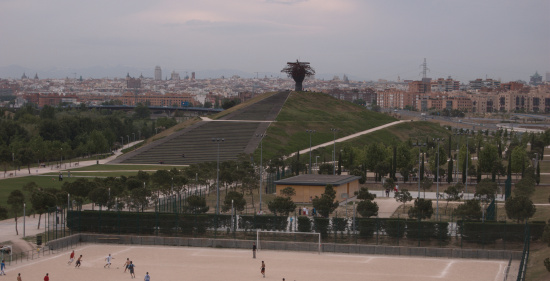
[(24, 172), (303, 151)]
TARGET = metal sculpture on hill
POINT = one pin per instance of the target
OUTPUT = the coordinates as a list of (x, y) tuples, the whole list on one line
[(298, 71)]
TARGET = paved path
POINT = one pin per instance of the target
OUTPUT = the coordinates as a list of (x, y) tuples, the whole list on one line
[(66, 166), (303, 151)]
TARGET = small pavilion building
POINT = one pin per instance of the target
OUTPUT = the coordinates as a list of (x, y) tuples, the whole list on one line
[(308, 186)]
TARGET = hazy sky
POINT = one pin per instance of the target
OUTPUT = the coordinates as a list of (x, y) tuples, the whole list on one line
[(506, 39)]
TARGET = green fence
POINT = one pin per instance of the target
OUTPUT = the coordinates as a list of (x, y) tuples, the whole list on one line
[(375, 231)]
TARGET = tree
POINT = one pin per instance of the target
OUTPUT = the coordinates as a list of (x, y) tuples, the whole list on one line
[(41, 201), (288, 191), (238, 201), (519, 208), (426, 184), (364, 194), (486, 190), (16, 200), (281, 206), (99, 196), (470, 210), (422, 209), (403, 196), (325, 169), (142, 112), (196, 204), (367, 208), (3, 213), (298, 71), (139, 198), (525, 187), (454, 193), (326, 204)]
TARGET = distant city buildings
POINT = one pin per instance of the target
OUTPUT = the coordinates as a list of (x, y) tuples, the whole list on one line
[(479, 95)]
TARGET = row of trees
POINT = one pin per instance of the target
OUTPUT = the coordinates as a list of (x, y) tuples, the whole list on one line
[(30, 135)]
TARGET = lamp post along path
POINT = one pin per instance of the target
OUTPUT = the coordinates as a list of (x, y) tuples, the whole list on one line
[(261, 136), (218, 140)]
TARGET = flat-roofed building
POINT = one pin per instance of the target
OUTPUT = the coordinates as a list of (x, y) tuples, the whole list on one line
[(310, 185)]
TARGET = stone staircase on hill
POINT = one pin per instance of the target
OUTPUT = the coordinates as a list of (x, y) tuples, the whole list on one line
[(194, 144)]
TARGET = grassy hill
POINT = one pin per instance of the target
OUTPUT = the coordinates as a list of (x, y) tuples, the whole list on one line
[(320, 112)]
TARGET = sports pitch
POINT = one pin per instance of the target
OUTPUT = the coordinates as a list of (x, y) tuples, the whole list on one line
[(186, 263)]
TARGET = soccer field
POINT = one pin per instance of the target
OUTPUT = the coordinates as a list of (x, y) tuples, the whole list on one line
[(186, 263)]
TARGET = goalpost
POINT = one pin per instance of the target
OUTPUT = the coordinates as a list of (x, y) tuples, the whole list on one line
[(318, 240)]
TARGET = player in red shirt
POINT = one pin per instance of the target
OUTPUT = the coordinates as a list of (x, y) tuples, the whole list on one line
[(71, 258), (46, 278)]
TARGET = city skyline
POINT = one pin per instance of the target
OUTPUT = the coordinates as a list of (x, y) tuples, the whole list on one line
[(367, 40)]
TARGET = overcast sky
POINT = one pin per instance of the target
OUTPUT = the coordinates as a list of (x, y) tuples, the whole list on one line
[(383, 39)]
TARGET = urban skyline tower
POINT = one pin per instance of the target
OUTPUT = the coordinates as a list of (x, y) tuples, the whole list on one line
[(158, 73)]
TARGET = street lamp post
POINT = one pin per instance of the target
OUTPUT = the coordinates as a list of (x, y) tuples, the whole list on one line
[(310, 132), (419, 164), (334, 130), (218, 140), (316, 166), (261, 136), (457, 134), (437, 192), (24, 215)]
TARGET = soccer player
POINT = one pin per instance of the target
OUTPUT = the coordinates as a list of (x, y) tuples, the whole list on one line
[(131, 267), (108, 259), (46, 278), (253, 250), (19, 277), (126, 264), (78, 261), (262, 269), (71, 258), (147, 277), (2, 267)]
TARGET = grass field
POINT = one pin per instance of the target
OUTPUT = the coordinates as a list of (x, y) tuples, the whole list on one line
[(320, 112), (124, 168), (184, 263)]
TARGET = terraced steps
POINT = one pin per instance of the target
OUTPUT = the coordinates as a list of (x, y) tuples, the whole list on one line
[(194, 144)]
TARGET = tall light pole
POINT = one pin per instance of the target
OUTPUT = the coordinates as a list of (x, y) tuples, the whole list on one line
[(457, 134), (316, 166), (261, 136), (467, 160), (310, 132), (437, 192), (419, 162), (24, 215), (334, 130), (218, 140)]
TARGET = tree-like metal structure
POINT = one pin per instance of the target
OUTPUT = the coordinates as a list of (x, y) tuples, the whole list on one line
[(298, 71)]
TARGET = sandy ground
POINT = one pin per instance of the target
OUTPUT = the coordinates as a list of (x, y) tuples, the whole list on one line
[(183, 263)]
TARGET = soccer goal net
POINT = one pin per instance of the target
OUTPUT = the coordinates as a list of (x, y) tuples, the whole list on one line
[(6, 251), (305, 241)]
